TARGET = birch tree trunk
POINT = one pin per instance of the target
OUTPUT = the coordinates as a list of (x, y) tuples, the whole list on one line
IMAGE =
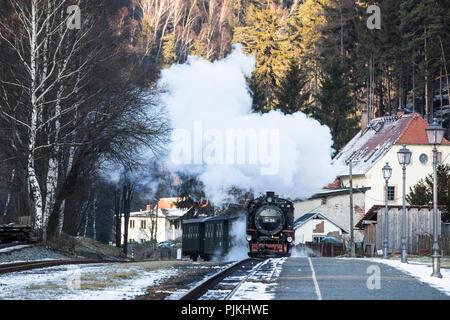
[(8, 197)]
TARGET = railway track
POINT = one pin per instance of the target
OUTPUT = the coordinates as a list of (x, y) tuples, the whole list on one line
[(242, 269), (29, 265)]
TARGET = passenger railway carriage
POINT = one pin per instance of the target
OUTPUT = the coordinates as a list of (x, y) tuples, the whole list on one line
[(207, 237)]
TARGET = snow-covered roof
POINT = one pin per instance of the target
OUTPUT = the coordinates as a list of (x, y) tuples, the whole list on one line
[(368, 147)]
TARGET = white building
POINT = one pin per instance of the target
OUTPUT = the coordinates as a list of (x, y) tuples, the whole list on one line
[(160, 221), (378, 144), (334, 204), (313, 227), (369, 150)]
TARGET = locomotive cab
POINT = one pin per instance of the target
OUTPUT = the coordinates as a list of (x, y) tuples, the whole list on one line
[(270, 226)]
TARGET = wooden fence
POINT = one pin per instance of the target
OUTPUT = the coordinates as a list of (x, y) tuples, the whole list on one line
[(425, 244), (326, 249), (419, 221)]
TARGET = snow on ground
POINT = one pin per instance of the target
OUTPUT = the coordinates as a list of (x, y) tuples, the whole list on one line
[(5, 250), (260, 284), (85, 282), (422, 272), (181, 292)]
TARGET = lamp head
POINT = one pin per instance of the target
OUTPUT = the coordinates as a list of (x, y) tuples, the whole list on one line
[(387, 171), (435, 133), (404, 156)]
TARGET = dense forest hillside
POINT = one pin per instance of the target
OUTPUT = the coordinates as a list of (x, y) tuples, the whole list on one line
[(303, 47)]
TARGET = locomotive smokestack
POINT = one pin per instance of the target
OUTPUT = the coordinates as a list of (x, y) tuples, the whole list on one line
[(270, 194)]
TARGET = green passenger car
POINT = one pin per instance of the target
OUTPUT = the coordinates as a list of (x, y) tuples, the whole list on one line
[(213, 240), (193, 238)]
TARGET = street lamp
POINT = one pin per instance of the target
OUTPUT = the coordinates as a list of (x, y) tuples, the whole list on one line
[(435, 133), (387, 172), (404, 158)]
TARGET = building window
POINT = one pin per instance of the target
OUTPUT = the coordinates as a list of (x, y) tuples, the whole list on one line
[(317, 239), (439, 157), (143, 224), (391, 193), (131, 224)]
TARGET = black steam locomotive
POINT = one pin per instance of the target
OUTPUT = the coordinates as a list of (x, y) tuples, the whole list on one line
[(270, 226)]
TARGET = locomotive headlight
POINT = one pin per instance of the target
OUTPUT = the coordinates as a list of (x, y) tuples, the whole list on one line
[(289, 239), (249, 237)]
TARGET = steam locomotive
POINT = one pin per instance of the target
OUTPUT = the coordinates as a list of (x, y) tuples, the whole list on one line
[(270, 222)]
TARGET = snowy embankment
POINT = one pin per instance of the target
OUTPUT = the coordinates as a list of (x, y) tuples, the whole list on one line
[(14, 248), (22, 253), (85, 282), (421, 272), (121, 281)]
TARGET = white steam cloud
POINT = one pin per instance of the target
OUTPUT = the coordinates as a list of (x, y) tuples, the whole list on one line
[(216, 135)]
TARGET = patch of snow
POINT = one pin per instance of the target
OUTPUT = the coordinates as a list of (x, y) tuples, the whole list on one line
[(6, 250), (260, 285), (53, 283), (421, 272)]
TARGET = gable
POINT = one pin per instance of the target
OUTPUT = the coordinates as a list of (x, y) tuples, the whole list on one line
[(415, 132)]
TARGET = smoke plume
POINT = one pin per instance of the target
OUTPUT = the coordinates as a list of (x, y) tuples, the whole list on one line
[(217, 136)]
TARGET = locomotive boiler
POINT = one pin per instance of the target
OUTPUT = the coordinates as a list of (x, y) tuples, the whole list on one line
[(270, 226)]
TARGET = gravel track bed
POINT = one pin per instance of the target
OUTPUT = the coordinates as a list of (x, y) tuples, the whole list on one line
[(188, 276), (31, 254)]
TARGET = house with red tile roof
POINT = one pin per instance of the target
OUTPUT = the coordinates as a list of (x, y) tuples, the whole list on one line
[(157, 220), (369, 150), (378, 144)]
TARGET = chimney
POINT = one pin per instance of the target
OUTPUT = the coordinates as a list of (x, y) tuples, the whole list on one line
[(364, 119)]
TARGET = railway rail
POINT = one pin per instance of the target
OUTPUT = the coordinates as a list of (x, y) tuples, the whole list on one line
[(29, 265), (244, 266)]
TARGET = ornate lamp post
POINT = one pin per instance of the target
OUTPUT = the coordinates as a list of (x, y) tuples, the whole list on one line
[(387, 172), (435, 133), (404, 158)]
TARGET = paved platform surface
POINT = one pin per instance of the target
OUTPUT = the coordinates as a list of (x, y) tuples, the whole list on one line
[(347, 279)]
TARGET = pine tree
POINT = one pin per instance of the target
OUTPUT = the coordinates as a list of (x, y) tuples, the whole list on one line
[(269, 35), (422, 193), (293, 95), (337, 109)]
